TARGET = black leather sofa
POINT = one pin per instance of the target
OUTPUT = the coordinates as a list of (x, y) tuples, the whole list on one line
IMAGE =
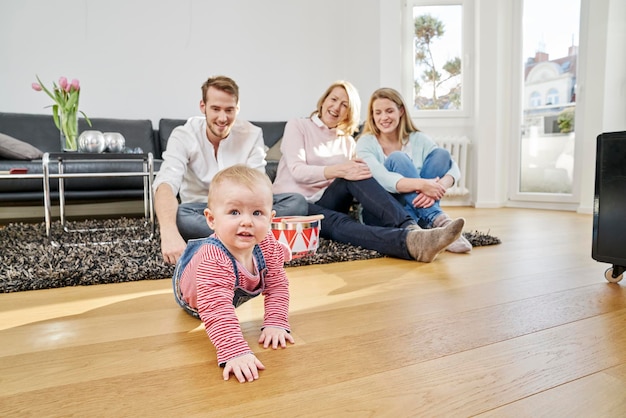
[(40, 131)]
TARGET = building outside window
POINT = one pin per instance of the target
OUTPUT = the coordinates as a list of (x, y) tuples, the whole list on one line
[(553, 97), (551, 53), (535, 99)]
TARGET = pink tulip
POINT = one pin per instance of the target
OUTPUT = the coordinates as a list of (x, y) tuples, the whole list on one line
[(36, 86), (75, 84), (63, 83)]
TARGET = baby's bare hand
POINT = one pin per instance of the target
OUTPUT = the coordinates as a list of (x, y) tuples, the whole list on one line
[(244, 368), (275, 337)]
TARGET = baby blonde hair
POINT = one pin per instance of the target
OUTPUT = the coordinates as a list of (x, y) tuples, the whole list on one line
[(252, 178)]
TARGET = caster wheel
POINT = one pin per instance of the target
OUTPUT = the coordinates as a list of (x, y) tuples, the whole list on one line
[(608, 274)]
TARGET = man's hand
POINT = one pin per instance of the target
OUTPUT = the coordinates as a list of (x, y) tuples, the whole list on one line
[(244, 368), (166, 207), (172, 245)]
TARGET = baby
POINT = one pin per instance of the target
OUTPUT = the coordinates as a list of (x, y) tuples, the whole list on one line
[(241, 260)]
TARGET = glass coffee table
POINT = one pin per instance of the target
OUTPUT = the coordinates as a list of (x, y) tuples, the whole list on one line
[(65, 159)]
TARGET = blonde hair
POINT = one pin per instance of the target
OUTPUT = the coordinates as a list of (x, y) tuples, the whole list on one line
[(405, 126), (351, 124), (242, 175)]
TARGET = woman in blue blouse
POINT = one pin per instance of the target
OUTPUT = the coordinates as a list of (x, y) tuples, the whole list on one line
[(407, 163)]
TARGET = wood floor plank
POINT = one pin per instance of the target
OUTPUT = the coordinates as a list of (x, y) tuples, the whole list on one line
[(422, 339), (25, 307), (471, 382), (618, 372), (529, 327), (464, 384), (572, 400), (78, 330)]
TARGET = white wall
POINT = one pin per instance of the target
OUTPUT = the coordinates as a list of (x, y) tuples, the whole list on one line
[(614, 118), (147, 59), (601, 96), (493, 103)]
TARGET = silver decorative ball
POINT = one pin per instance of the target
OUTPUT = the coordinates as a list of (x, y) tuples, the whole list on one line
[(91, 141), (115, 141)]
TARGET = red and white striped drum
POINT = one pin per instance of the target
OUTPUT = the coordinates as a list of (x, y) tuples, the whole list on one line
[(300, 233)]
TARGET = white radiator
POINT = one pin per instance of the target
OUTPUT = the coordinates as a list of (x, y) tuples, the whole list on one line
[(458, 147)]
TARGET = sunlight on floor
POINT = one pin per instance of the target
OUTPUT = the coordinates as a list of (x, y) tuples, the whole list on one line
[(312, 287), (18, 317)]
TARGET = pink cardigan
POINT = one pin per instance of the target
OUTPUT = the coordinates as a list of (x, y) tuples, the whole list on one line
[(308, 146)]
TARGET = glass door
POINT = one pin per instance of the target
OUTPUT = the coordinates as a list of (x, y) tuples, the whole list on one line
[(544, 166)]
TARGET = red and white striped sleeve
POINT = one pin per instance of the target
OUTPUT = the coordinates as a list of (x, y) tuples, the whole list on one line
[(216, 287), (276, 285)]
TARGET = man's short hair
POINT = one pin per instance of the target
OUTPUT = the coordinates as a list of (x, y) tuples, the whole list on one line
[(222, 83)]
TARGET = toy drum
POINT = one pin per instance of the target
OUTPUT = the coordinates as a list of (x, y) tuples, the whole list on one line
[(299, 233)]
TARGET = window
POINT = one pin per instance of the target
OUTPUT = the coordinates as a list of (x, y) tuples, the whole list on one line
[(535, 99), (546, 147), (436, 40), (553, 97)]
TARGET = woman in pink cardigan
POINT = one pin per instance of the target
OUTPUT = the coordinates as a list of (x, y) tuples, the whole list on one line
[(318, 161)]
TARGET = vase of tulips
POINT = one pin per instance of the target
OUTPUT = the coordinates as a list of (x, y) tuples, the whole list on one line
[(65, 110)]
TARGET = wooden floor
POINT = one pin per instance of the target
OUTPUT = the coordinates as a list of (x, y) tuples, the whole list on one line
[(527, 328)]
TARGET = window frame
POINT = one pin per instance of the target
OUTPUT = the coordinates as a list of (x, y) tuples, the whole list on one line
[(553, 96), (535, 99), (467, 74)]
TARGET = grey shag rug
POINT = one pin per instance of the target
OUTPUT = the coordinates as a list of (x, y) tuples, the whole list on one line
[(29, 261)]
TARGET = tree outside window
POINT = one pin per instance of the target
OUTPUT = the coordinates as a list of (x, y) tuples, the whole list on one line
[(437, 45)]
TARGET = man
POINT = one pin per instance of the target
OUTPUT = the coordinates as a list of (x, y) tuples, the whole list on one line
[(195, 152)]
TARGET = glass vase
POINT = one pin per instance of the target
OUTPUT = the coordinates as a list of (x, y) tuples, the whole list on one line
[(68, 128)]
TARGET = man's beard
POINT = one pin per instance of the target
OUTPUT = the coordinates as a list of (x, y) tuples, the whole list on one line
[(222, 135)]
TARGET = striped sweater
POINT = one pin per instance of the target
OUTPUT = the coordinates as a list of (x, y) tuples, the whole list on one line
[(211, 277)]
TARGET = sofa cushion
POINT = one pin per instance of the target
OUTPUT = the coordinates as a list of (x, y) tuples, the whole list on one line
[(272, 131), (14, 149), (41, 132), (38, 130), (274, 153), (166, 126)]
